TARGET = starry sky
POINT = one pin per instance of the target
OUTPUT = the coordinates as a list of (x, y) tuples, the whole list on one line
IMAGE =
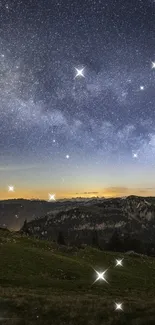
[(77, 98)]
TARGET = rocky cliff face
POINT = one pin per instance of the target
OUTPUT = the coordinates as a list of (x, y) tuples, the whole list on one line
[(135, 215)]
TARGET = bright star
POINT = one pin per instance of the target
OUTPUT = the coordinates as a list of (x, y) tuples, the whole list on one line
[(153, 65), (101, 276), (53, 141), (141, 87), (135, 155), (118, 306), (119, 262), (51, 197), (67, 156), (11, 188), (79, 73)]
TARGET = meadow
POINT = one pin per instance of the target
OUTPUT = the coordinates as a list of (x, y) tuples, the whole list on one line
[(44, 283)]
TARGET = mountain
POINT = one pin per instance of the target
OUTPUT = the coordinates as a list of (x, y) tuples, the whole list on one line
[(78, 220), (14, 212)]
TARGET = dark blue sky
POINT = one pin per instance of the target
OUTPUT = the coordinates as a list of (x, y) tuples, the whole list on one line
[(104, 121)]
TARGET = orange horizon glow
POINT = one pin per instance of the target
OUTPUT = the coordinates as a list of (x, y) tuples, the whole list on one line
[(107, 192)]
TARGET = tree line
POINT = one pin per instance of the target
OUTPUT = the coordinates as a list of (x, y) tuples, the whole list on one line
[(117, 242)]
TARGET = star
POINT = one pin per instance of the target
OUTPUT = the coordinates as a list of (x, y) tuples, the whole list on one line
[(11, 188), (119, 262), (52, 197), (79, 73), (118, 306), (53, 141), (141, 87), (153, 65), (135, 155), (67, 156), (101, 276)]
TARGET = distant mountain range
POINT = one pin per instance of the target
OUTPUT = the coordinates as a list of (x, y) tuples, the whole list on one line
[(78, 218), (14, 212)]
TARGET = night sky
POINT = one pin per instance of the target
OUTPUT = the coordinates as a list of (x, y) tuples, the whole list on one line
[(77, 98)]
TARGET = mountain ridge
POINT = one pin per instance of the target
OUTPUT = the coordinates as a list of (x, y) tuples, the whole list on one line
[(133, 215)]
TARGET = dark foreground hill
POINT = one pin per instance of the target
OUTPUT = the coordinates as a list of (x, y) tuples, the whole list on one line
[(43, 283)]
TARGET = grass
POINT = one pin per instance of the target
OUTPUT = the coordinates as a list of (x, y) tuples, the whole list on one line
[(42, 283)]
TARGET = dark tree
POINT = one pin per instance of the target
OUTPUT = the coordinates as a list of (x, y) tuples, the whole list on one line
[(134, 244), (60, 239), (25, 227), (127, 245), (137, 245), (150, 248), (25, 224), (115, 242), (95, 242)]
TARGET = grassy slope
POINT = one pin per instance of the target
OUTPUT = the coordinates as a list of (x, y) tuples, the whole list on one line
[(42, 284)]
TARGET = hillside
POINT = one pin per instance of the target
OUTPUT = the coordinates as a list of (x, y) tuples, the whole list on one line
[(133, 214), (42, 283), (126, 211), (13, 212)]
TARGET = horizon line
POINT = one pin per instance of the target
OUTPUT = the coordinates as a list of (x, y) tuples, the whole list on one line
[(73, 198)]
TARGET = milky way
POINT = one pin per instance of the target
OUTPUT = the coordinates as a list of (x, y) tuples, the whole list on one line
[(46, 112)]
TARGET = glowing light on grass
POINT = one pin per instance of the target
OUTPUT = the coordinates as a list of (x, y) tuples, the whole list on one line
[(119, 262), (101, 276), (118, 306)]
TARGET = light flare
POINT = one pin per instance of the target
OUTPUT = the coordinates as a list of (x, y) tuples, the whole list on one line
[(101, 276), (79, 73), (11, 188), (119, 262), (118, 306), (52, 197), (153, 65)]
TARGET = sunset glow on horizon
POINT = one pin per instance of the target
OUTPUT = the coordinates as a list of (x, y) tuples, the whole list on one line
[(107, 193)]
